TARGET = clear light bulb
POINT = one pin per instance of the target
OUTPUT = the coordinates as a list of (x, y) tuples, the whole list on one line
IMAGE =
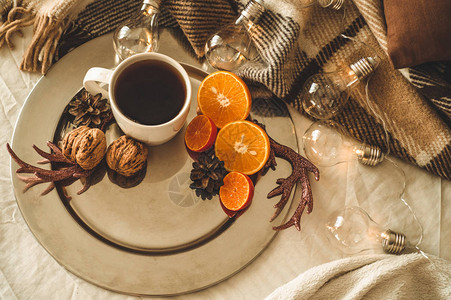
[(353, 231), (232, 46), (139, 33), (324, 94), (326, 144)]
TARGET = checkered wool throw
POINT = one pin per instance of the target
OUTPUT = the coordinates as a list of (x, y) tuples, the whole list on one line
[(297, 42)]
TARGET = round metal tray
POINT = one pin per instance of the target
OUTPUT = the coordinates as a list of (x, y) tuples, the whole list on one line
[(156, 238)]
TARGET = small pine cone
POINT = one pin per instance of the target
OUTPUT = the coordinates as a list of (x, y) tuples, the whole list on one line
[(89, 110), (207, 175)]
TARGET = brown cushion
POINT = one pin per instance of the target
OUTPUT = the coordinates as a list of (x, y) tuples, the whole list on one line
[(418, 31)]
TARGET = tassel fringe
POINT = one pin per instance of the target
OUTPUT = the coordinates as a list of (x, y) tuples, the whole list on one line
[(46, 34), (18, 18), (40, 53)]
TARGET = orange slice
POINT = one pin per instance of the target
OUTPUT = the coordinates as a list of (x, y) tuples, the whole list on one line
[(237, 191), (243, 146), (224, 97), (200, 134)]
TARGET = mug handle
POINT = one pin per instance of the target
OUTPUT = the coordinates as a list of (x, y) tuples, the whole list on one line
[(92, 79)]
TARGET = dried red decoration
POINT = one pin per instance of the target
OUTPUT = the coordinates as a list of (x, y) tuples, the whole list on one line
[(65, 176), (300, 168)]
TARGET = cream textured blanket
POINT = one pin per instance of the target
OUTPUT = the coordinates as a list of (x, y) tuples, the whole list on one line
[(409, 276)]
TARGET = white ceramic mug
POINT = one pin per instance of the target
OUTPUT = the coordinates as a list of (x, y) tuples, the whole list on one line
[(149, 134)]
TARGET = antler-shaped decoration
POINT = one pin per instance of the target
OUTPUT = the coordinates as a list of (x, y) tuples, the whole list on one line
[(300, 166), (64, 176)]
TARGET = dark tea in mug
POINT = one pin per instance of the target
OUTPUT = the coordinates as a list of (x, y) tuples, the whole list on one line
[(150, 92)]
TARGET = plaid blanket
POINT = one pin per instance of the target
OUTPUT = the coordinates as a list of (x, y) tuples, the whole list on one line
[(298, 42)]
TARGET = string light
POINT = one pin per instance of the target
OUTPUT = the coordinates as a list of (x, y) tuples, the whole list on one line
[(324, 94), (354, 231), (326, 144), (139, 33), (231, 47)]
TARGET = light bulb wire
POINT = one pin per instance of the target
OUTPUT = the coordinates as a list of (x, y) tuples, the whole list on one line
[(367, 97), (387, 144), (310, 4), (343, 19), (402, 197), (378, 116)]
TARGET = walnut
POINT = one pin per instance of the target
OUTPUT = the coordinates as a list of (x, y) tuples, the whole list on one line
[(85, 146), (126, 156)]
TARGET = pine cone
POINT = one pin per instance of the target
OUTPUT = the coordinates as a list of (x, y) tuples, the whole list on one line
[(207, 175), (89, 109)]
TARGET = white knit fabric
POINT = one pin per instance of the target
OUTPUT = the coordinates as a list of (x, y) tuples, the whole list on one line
[(409, 276)]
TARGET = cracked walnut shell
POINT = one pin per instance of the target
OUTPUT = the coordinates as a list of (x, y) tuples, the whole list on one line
[(126, 156), (85, 146)]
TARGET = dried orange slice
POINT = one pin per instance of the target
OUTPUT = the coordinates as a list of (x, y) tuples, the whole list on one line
[(200, 134), (237, 191), (243, 146), (224, 97)]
